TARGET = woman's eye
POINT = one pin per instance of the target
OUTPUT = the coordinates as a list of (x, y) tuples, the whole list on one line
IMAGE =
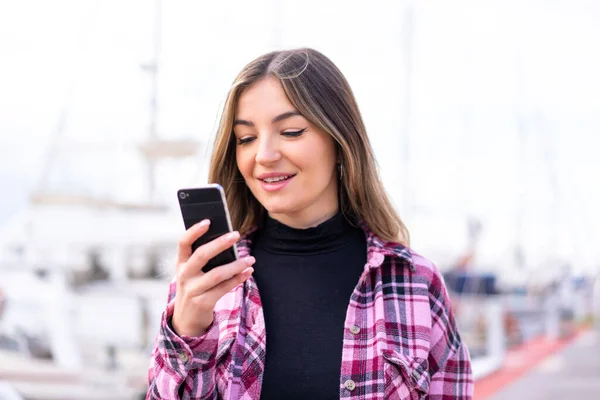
[(294, 133), (245, 140)]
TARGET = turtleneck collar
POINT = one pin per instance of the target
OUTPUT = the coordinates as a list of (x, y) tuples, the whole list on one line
[(331, 235)]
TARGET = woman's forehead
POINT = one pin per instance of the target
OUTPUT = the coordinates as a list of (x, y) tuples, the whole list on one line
[(264, 97)]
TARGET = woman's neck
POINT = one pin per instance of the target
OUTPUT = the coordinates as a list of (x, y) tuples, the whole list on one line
[(279, 238), (305, 218)]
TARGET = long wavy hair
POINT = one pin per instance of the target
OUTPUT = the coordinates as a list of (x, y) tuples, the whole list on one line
[(320, 92)]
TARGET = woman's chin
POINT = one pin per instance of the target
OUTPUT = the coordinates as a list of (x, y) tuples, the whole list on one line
[(278, 209)]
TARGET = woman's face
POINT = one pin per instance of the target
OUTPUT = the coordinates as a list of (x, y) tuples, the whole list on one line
[(288, 163)]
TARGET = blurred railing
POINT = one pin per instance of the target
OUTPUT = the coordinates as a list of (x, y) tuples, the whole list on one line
[(490, 325)]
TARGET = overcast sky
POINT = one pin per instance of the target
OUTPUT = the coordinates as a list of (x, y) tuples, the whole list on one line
[(504, 100)]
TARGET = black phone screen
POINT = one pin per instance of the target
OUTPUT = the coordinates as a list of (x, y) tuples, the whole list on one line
[(207, 203)]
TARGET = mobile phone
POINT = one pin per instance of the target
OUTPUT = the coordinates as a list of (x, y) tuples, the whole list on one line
[(208, 202)]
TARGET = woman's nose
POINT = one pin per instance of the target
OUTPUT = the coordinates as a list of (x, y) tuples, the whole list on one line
[(268, 152)]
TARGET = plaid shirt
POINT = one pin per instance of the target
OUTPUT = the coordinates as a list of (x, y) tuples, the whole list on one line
[(400, 339)]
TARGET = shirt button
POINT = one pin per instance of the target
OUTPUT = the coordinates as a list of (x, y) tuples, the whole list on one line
[(183, 357), (355, 329), (350, 385)]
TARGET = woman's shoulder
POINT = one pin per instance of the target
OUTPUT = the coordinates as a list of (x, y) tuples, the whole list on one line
[(422, 264), (421, 268), (400, 253)]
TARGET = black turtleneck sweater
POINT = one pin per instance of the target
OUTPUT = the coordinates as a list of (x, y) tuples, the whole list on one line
[(305, 278)]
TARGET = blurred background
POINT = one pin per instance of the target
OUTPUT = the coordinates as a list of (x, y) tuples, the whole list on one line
[(485, 120)]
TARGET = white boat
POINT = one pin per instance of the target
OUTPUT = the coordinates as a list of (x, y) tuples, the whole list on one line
[(84, 277)]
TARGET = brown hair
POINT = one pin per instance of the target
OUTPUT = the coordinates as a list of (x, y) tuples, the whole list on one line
[(320, 92)]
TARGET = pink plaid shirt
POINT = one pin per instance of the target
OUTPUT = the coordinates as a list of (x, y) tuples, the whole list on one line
[(400, 339)]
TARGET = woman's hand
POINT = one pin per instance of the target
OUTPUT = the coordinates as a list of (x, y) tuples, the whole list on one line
[(198, 292)]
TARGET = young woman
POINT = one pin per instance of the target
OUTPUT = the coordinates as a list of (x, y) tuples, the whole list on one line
[(326, 300)]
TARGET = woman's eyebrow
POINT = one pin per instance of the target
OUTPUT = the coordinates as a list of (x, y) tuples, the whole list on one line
[(278, 118)]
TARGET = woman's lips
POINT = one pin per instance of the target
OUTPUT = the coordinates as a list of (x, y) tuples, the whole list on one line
[(276, 185)]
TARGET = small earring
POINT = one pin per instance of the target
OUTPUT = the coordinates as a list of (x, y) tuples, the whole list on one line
[(340, 170)]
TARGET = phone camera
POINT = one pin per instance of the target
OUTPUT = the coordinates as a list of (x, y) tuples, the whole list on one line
[(182, 195)]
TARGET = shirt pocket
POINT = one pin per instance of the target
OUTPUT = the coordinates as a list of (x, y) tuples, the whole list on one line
[(406, 378)]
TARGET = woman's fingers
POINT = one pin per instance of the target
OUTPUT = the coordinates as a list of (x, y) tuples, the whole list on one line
[(210, 297), (203, 283), (184, 249), (193, 266)]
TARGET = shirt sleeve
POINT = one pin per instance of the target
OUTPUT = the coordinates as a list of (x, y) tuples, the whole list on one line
[(182, 367), (449, 359)]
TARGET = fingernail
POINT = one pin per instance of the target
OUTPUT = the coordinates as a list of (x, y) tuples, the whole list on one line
[(249, 261), (233, 236), (204, 223), (248, 271)]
